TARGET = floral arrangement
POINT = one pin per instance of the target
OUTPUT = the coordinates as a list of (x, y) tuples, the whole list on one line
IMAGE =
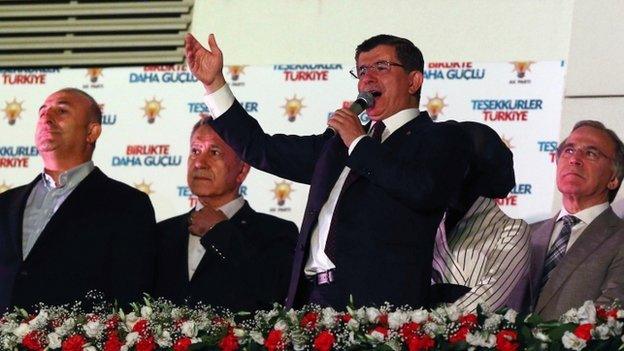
[(161, 325)]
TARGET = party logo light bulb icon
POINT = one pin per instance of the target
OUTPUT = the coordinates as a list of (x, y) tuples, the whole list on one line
[(293, 107)]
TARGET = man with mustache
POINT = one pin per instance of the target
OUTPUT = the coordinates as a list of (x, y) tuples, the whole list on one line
[(222, 252), (377, 193), (73, 229), (578, 255)]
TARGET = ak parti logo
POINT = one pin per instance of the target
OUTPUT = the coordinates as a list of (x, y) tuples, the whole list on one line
[(435, 106), (152, 109), (281, 192), (4, 187), (521, 68), (235, 72), (144, 187), (13, 110), (292, 107)]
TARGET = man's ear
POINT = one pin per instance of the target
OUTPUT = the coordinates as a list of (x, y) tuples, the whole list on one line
[(243, 173), (613, 183), (93, 132), (416, 81)]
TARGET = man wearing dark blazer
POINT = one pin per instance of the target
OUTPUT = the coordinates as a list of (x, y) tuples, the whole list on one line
[(377, 193), (578, 255), (73, 229), (222, 253)]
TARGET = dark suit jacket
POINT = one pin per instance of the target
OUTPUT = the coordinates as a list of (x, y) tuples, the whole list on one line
[(592, 269), (257, 250), (100, 238), (385, 221)]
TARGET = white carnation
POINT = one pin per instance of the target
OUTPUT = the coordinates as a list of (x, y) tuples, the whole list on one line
[(132, 339), (239, 333), (481, 339), (397, 319), (89, 348), (257, 337), (93, 329), (377, 336), (164, 339), (146, 311), (40, 320), (419, 316), (587, 313), (54, 341), (372, 314), (189, 329), (511, 315), (22, 330), (353, 324), (573, 342), (602, 332), (131, 320), (280, 325)]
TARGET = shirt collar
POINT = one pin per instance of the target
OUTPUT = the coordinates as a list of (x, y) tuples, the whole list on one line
[(397, 121), (587, 215), (69, 178), (229, 209)]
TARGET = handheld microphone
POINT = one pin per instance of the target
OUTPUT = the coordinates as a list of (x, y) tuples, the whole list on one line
[(363, 101)]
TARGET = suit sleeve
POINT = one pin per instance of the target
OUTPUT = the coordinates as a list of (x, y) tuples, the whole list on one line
[(287, 156), (424, 180), (613, 286), (133, 252)]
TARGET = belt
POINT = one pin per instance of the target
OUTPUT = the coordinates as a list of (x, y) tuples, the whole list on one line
[(322, 278)]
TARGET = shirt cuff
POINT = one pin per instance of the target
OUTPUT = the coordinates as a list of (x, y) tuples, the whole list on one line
[(219, 101), (354, 143)]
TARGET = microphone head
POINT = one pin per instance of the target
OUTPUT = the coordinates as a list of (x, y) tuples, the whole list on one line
[(367, 99)]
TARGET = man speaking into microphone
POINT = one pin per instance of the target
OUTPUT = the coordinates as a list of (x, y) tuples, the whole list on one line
[(377, 192)]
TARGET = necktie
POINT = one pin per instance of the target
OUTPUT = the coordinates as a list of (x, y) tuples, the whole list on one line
[(330, 244), (558, 249)]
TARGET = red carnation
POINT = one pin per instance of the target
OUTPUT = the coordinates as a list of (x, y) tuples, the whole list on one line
[(274, 340), (229, 343), (383, 320), (73, 343), (459, 335), (112, 322), (308, 320), (583, 331), (410, 329), (33, 341), (605, 314), (182, 344), (140, 326), (469, 320), (146, 344), (507, 340), (346, 317), (112, 342), (417, 343), (324, 341)]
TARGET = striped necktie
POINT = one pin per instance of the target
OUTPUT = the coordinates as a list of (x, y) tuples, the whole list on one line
[(558, 249)]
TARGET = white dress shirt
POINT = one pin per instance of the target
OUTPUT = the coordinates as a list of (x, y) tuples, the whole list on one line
[(45, 199), (195, 249), (586, 216), (222, 99)]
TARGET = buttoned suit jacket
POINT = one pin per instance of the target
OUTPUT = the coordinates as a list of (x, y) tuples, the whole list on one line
[(592, 268), (100, 238), (246, 265), (385, 220)]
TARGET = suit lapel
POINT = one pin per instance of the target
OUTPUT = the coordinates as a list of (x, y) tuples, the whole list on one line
[(240, 219), (16, 216), (539, 247), (599, 230), (73, 207)]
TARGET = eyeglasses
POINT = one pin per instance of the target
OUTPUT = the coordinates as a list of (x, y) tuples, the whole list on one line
[(588, 152), (379, 66)]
